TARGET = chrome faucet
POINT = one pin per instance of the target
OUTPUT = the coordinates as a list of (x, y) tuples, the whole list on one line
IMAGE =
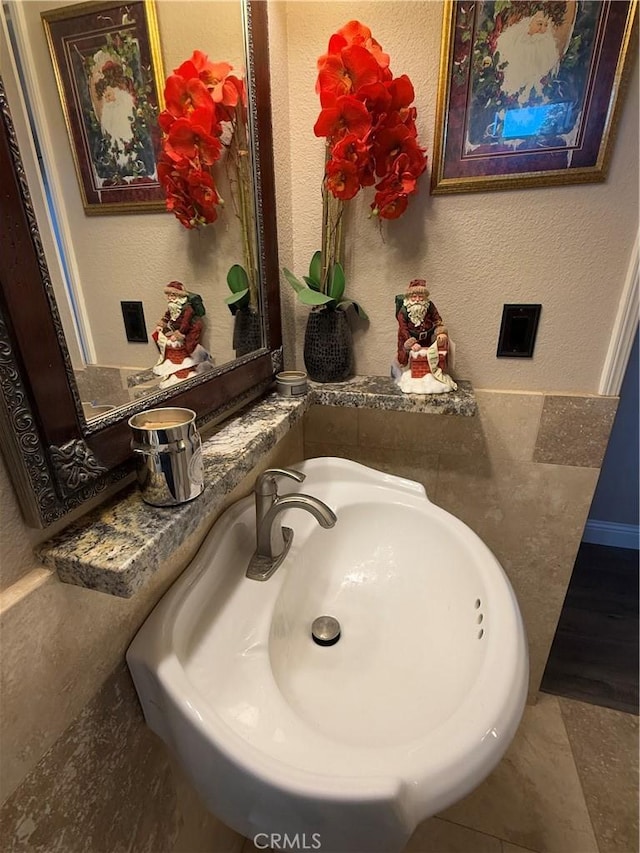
[(272, 540)]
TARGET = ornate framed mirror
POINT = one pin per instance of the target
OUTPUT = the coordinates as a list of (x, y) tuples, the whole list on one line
[(60, 456)]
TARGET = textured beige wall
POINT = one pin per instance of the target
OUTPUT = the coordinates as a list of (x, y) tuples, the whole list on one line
[(565, 247), (68, 713)]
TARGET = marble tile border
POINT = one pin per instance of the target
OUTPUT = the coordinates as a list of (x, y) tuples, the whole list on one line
[(575, 430), (120, 545), (117, 548), (380, 392)]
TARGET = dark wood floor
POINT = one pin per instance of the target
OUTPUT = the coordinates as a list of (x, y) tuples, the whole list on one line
[(594, 656)]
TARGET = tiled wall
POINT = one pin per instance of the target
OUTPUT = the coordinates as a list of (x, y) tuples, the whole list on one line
[(79, 770), (521, 474)]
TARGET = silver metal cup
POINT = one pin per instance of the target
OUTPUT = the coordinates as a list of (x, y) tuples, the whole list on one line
[(169, 455)]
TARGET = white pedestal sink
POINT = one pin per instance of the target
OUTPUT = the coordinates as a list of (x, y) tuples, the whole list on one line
[(347, 746)]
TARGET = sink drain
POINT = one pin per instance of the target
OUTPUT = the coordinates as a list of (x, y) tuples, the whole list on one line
[(325, 630)]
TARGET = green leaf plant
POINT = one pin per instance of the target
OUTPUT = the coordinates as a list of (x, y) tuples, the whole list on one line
[(238, 282), (330, 296), (323, 288)]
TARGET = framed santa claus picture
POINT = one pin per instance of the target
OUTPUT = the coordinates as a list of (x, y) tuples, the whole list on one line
[(108, 69), (529, 92)]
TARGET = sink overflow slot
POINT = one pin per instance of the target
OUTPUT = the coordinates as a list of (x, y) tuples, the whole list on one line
[(325, 631)]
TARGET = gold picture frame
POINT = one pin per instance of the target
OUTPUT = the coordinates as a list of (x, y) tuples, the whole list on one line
[(529, 93), (108, 69)]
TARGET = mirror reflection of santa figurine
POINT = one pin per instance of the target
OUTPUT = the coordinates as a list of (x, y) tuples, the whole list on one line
[(423, 344), (177, 337)]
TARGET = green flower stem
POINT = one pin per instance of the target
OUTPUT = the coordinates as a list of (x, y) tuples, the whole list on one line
[(240, 148), (332, 216)]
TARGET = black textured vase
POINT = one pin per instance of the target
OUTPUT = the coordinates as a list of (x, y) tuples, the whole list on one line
[(328, 346), (247, 331)]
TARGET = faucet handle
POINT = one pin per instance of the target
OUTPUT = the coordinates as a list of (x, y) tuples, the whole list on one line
[(266, 482)]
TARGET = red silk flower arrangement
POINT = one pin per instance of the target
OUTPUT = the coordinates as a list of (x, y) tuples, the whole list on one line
[(205, 116), (369, 122)]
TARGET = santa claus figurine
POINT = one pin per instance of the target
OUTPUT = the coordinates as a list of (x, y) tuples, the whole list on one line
[(423, 343), (177, 337)]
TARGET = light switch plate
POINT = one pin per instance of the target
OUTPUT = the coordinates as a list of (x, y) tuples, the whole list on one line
[(518, 331), (134, 325)]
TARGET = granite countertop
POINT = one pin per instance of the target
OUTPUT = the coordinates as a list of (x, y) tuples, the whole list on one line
[(119, 546)]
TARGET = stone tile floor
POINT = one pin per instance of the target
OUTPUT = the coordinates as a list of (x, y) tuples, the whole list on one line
[(568, 784)]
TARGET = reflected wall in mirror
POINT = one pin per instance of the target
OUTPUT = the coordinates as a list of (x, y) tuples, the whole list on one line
[(58, 457), (108, 262)]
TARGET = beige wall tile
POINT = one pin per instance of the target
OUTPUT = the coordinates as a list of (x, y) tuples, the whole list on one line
[(418, 466), (421, 467), (418, 432), (331, 424), (60, 642), (605, 749), (106, 785), (509, 423), (316, 449), (102, 386), (533, 798), (532, 517), (441, 836), (507, 847), (575, 430)]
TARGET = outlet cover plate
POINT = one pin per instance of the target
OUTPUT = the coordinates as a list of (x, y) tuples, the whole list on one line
[(134, 325), (518, 331)]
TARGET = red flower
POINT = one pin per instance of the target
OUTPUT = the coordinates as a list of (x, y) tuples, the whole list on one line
[(199, 96), (356, 33), (348, 115), (376, 98), (189, 99), (215, 77), (204, 194), (389, 205), (391, 142), (341, 179), (354, 150), (176, 189), (401, 91), (401, 178), (192, 67), (398, 184), (220, 83), (344, 73), (368, 116), (190, 142)]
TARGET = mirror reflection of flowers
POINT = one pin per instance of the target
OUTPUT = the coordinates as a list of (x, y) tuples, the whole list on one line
[(369, 122), (205, 116)]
